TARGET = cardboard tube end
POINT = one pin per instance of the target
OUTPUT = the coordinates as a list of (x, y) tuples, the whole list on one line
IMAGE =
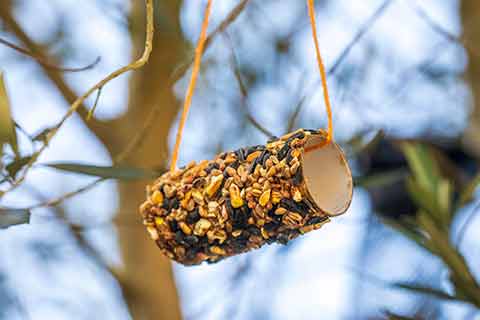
[(327, 177)]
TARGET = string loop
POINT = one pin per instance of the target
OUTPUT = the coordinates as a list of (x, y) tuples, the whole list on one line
[(191, 86), (323, 76), (196, 67)]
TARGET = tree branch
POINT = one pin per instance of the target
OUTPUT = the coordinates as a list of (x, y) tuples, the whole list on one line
[(79, 101), (34, 49)]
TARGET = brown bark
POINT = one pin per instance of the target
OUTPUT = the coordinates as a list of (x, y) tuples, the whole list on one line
[(470, 15), (147, 277)]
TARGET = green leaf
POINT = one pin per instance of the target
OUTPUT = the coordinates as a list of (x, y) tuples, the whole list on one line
[(115, 172), (7, 129), (424, 198), (467, 193), (14, 167), (381, 179), (422, 163), (444, 195), (441, 241), (422, 289), (11, 217)]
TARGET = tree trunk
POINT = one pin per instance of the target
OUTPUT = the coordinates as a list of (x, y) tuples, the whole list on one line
[(470, 15), (147, 278)]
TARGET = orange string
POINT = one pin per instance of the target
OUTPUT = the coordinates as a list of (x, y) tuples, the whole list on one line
[(191, 86), (323, 76)]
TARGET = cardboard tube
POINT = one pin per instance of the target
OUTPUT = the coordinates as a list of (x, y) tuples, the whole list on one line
[(246, 198), (328, 177)]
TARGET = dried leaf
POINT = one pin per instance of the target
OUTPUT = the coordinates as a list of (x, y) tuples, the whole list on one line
[(114, 172), (11, 217)]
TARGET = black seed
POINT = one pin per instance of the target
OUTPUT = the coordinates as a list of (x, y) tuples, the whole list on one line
[(193, 216), (282, 239), (166, 203), (249, 150), (235, 164), (228, 205), (203, 241), (265, 156), (299, 135), (240, 217), (174, 203), (211, 166), (240, 153), (179, 236), (191, 240), (270, 240), (253, 149), (199, 183), (298, 177), (254, 231), (173, 225), (191, 254), (289, 155), (271, 226), (282, 153), (316, 220), (239, 244), (303, 207), (299, 207)]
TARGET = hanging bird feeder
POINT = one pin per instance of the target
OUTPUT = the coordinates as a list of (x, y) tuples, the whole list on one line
[(246, 198)]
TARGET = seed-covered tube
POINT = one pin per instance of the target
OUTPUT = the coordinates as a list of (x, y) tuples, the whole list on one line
[(246, 198)]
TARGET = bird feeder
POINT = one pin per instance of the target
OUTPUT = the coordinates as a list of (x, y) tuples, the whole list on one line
[(244, 199)]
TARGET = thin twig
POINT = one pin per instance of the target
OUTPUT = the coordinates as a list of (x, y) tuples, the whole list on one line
[(46, 64), (359, 35), (133, 145), (295, 114), (231, 17), (362, 31), (132, 66), (440, 29), (92, 111), (243, 89)]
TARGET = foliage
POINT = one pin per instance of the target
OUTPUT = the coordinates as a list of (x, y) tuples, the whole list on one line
[(430, 227)]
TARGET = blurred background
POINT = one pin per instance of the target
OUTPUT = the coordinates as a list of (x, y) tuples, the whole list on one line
[(399, 70)]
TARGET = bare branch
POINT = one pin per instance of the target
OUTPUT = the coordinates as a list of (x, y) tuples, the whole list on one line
[(359, 35), (231, 17), (46, 64), (441, 30), (133, 145), (244, 91), (57, 78), (132, 66)]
